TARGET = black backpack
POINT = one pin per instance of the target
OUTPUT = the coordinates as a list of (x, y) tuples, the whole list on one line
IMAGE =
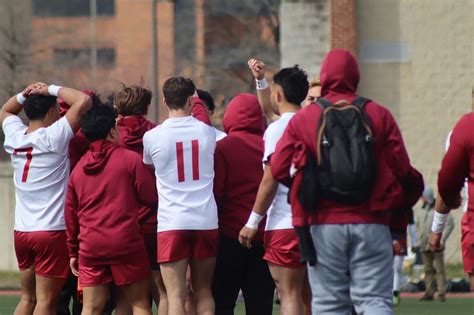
[(344, 167)]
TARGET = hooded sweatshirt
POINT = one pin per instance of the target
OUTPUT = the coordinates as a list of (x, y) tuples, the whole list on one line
[(106, 191), (238, 165), (458, 165), (131, 130), (397, 185)]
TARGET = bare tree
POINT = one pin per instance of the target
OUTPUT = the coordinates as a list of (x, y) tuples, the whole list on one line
[(14, 50)]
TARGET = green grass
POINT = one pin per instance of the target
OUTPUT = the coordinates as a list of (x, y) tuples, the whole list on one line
[(409, 306)]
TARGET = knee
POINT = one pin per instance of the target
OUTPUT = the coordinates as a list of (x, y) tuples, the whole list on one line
[(202, 293), (29, 299)]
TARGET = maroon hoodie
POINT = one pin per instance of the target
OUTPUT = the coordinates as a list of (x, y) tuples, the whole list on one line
[(106, 191), (131, 130), (458, 164), (397, 184), (238, 165)]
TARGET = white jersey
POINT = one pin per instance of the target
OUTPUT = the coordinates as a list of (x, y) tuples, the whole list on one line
[(41, 171), (279, 215), (182, 151), (219, 134)]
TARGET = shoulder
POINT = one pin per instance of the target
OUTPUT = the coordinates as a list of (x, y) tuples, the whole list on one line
[(126, 156), (153, 132)]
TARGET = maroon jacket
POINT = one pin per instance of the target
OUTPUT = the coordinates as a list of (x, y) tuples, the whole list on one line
[(397, 184), (106, 191), (238, 165), (131, 130), (458, 164)]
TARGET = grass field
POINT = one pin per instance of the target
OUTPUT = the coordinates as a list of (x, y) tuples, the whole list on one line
[(409, 306)]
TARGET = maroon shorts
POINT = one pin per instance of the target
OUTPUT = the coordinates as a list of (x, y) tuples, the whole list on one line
[(150, 245), (45, 251), (467, 241), (181, 244), (120, 274), (281, 248)]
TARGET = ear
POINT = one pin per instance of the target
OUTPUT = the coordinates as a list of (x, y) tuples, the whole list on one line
[(279, 95), (113, 133)]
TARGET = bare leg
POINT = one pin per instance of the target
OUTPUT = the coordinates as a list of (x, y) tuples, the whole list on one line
[(122, 306), (201, 274), (289, 282), (160, 295), (190, 304), (174, 278), (471, 279), (138, 296), (27, 303), (47, 294), (307, 294), (94, 299)]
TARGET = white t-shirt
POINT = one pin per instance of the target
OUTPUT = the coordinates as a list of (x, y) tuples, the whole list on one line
[(182, 151), (41, 171), (219, 134), (279, 214)]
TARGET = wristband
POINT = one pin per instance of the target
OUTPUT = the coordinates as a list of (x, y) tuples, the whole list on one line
[(53, 90), (254, 220), (439, 220), (261, 84), (20, 98)]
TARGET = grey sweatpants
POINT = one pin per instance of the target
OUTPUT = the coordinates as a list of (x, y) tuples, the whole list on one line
[(354, 266)]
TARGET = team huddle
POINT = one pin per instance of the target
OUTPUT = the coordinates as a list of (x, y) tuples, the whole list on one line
[(190, 216)]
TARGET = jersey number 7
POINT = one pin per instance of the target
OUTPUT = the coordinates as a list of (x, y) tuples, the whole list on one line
[(29, 157), (180, 160)]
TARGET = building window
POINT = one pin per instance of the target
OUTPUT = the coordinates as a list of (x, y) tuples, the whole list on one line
[(81, 57), (57, 8)]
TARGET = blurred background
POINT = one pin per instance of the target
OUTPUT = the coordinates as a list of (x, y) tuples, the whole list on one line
[(415, 56)]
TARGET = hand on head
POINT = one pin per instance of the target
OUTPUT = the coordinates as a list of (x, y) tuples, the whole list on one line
[(38, 88)]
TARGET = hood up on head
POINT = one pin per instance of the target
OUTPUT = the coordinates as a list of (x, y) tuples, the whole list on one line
[(244, 114), (339, 73), (98, 155)]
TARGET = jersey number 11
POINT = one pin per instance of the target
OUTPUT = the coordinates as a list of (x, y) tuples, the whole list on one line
[(180, 160)]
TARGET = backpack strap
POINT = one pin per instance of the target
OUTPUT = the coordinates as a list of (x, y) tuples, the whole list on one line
[(360, 102), (323, 103)]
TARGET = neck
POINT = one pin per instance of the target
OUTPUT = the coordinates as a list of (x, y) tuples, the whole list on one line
[(178, 113), (35, 125), (287, 107)]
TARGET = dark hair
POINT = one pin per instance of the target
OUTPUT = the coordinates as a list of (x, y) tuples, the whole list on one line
[(98, 121), (207, 98), (294, 83), (132, 100), (37, 106), (176, 91)]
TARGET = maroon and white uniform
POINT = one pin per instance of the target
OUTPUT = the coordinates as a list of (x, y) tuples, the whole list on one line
[(182, 152), (281, 243), (41, 171)]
